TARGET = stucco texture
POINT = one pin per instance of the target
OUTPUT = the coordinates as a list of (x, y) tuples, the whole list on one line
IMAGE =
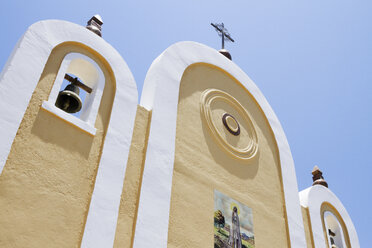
[(201, 165), (48, 179), (132, 182), (307, 226)]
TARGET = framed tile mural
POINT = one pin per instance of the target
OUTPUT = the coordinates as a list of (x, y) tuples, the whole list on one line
[(233, 223)]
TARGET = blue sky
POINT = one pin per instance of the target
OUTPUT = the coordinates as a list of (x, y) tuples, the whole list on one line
[(311, 59)]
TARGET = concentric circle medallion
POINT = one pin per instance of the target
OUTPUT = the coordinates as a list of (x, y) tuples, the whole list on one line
[(235, 133), (231, 124)]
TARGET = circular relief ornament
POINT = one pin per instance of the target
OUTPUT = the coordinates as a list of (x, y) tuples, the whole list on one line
[(231, 124), (212, 97)]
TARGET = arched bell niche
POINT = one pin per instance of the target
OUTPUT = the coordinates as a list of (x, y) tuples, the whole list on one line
[(80, 72), (326, 212), (335, 231)]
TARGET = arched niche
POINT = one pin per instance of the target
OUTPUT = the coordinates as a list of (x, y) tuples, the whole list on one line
[(87, 70), (321, 202), (334, 227)]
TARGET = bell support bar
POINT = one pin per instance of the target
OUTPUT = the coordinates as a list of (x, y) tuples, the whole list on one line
[(78, 83)]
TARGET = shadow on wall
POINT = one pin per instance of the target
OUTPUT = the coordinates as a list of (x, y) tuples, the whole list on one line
[(53, 130), (240, 168)]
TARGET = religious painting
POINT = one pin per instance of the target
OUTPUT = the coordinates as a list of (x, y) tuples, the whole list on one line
[(233, 223)]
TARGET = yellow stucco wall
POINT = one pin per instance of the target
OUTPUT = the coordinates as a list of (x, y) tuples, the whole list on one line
[(201, 166), (132, 182), (48, 179), (307, 226)]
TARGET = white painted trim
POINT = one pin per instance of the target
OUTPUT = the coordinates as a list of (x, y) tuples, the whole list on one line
[(17, 83), (313, 198), (50, 107), (160, 94)]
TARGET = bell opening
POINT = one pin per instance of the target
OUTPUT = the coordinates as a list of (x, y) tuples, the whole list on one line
[(334, 230), (70, 98)]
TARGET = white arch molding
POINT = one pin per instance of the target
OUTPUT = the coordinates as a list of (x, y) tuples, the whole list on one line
[(313, 198), (18, 81), (160, 94)]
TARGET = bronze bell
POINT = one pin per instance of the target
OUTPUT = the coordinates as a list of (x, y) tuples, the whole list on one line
[(68, 99)]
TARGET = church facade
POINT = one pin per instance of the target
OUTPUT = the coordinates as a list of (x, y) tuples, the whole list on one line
[(202, 161)]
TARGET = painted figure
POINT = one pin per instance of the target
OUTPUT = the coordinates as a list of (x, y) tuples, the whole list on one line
[(235, 240)]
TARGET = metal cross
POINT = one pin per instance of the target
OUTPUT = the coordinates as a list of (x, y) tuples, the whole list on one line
[(222, 32)]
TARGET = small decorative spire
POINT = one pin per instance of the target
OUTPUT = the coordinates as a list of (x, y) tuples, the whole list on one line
[(95, 25), (318, 178)]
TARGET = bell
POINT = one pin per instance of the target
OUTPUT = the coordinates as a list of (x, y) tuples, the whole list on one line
[(68, 99)]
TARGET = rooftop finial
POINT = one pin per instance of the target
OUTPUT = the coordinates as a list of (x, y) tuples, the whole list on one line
[(224, 34), (94, 24), (318, 178)]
